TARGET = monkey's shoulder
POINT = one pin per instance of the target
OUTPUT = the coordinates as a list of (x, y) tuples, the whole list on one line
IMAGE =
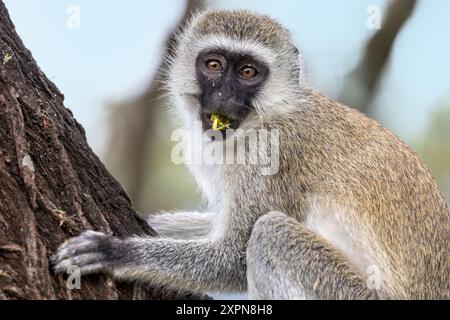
[(320, 121), (337, 138)]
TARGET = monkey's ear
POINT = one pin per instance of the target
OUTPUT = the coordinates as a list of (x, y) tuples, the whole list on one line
[(296, 51)]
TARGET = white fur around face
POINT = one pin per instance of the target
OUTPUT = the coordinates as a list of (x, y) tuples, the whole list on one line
[(279, 94)]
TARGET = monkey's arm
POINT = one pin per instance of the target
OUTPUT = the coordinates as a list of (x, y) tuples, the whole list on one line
[(181, 225), (287, 261), (196, 265)]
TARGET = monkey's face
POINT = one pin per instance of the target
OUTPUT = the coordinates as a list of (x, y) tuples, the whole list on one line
[(228, 84), (233, 69)]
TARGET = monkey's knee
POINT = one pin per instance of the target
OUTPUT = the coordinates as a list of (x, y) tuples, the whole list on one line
[(268, 229), (265, 276), (272, 221), (264, 230)]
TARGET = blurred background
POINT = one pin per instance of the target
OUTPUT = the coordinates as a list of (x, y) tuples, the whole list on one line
[(390, 59)]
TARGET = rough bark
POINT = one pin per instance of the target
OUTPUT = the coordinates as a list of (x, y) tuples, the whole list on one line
[(52, 186), (361, 84)]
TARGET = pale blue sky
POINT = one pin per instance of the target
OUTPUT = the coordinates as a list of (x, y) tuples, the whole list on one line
[(114, 54)]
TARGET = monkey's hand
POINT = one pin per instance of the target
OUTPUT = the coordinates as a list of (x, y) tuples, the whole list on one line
[(92, 252), (198, 265)]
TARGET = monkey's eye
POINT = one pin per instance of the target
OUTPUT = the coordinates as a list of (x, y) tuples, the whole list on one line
[(248, 72), (214, 65)]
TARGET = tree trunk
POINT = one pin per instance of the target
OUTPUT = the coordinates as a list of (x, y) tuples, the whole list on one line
[(52, 186)]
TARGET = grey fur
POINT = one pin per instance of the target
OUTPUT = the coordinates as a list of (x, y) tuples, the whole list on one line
[(182, 225), (353, 197)]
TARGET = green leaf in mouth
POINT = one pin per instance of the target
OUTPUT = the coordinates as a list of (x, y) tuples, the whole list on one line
[(220, 122)]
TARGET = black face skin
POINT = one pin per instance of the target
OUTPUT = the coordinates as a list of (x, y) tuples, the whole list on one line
[(228, 83)]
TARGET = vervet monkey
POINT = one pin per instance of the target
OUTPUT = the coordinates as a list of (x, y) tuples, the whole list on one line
[(352, 213)]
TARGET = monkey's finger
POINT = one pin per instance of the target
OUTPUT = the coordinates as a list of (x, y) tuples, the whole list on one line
[(86, 242), (92, 268), (80, 261)]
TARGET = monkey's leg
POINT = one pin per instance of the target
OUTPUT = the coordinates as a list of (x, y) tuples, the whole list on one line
[(196, 265), (287, 261), (181, 225)]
